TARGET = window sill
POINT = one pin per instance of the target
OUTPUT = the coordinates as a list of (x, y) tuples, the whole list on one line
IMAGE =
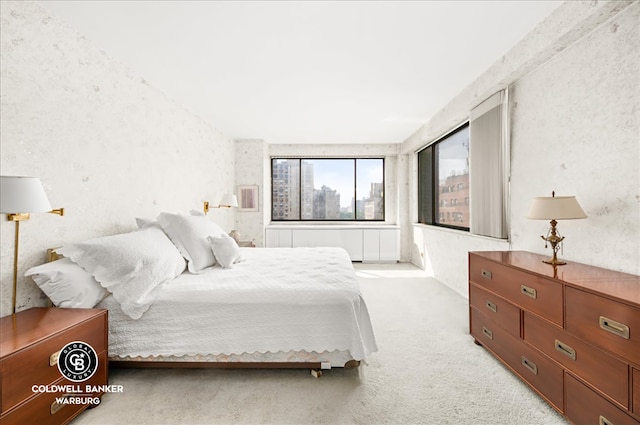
[(458, 232), (331, 225)]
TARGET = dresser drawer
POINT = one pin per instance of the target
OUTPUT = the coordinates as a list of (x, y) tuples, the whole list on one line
[(636, 392), (31, 366), (528, 291), (603, 322), (542, 374), (593, 365), (43, 409), (585, 407), (497, 308)]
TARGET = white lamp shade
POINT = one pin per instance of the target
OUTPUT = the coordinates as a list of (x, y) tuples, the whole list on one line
[(22, 195), (229, 200), (555, 208)]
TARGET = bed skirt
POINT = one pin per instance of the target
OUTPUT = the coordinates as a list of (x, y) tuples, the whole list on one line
[(279, 360)]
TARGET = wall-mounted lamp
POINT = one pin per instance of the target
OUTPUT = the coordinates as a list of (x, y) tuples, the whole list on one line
[(555, 208), (228, 200), (20, 196)]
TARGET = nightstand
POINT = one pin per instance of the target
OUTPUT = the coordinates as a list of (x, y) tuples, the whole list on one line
[(246, 244), (30, 343)]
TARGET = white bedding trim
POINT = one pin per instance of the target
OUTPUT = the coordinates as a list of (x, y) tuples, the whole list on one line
[(278, 300), (334, 358)]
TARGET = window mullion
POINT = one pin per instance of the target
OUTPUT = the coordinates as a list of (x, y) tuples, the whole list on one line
[(355, 189)]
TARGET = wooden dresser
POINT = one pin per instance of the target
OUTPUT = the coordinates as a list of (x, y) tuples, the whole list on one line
[(30, 342), (572, 333)]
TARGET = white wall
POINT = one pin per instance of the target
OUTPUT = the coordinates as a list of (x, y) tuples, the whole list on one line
[(575, 129), (250, 170), (107, 146)]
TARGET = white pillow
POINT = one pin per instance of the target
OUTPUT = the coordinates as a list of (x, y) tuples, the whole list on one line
[(226, 250), (129, 265), (67, 284), (189, 233)]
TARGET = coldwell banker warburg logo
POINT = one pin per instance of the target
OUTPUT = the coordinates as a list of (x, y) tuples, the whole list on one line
[(78, 361)]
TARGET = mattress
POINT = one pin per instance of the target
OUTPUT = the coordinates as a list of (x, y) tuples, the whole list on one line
[(278, 303)]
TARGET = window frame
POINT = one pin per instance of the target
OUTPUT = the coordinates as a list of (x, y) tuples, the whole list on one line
[(355, 188), (429, 182)]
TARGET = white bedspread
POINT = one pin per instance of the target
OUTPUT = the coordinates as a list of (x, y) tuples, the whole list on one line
[(278, 299)]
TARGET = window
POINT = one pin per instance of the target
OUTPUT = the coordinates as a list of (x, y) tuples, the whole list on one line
[(327, 189), (452, 196), (443, 181)]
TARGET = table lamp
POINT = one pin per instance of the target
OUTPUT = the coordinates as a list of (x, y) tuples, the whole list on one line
[(20, 196), (555, 208)]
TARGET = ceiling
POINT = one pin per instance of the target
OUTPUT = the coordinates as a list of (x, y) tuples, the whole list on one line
[(303, 71)]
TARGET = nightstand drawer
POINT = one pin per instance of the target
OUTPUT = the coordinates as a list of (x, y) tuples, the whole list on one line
[(496, 308), (529, 291), (43, 409), (603, 322), (636, 392), (538, 370), (585, 406), (595, 366), (32, 365)]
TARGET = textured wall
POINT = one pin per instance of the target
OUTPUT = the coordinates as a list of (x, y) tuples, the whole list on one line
[(250, 170), (575, 129), (566, 25), (107, 146)]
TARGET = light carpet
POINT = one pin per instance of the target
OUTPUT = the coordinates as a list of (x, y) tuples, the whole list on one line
[(427, 371)]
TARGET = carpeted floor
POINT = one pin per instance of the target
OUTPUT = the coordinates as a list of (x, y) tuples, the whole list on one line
[(427, 371)]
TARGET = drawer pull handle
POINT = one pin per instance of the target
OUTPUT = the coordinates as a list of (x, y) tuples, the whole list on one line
[(604, 421), (55, 406), (487, 332), (529, 365), (565, 349), (486, 274), (614, 327), (529, 292), (492, 306), (53, 359)]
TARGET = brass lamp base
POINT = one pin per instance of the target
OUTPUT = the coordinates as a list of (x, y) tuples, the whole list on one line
[(554, 261), (554, 239), (17, 218)]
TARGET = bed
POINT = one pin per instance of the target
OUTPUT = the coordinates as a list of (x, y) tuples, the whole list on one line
[(251, 307)]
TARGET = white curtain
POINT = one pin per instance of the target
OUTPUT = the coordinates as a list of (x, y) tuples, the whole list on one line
[(489, 167)]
